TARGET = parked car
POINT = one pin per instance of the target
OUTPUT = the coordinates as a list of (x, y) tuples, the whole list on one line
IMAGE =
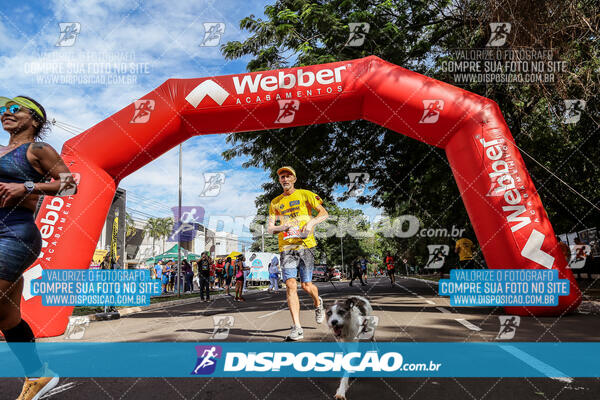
[(320, 273), (337, 275)]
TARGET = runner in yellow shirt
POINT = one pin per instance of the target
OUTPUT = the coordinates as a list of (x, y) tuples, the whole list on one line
[(293, 209)]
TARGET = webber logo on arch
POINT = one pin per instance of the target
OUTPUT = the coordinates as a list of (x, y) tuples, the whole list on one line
[(208, 88), (517, 207), (256, 88)]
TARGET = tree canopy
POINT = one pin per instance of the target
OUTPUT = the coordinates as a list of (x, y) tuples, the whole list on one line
[(409, 177)]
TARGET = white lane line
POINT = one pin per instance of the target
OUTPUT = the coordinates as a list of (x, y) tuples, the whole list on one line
[(467, 324), (59, 389), (414, 294), (422, 280), (262, 298), (461, 321), (269, 314), (541, 366)]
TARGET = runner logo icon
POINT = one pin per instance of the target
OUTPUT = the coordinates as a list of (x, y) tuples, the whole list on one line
[(213, 181), (68, 33), (184, 223), (207, 359), (287, 111), (68, 183), (500, 31), (437, 255), (212, 33), (76, 328), (142, 111), (573, 111), (508, 326), (431, 112), (358, 183), (358, 33), (223, 323)]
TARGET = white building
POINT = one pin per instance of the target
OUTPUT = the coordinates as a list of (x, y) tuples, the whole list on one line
[(225, 243)]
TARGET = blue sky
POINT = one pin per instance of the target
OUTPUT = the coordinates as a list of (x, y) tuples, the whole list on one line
[(163, 40)]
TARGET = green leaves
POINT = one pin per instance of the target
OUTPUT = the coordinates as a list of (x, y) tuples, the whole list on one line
[(409, 177)]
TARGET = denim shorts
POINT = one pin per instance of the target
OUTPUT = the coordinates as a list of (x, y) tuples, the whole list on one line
[(294, 261), (20, 242)]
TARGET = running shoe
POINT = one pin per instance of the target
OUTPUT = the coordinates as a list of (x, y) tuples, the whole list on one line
[(320, 312), (295, 334), (35, 388)]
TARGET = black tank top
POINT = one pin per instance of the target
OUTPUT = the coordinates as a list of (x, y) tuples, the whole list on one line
[(15, 167)]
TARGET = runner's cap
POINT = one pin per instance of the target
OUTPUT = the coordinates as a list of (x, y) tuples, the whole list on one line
[(289, 169)]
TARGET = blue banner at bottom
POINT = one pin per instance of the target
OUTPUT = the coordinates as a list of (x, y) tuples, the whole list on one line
[(381, 359)]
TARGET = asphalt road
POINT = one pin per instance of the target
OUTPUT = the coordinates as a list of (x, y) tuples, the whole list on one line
[(409, 311)]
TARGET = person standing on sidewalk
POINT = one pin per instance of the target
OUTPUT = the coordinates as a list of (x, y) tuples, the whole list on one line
[(196, 278), (239, 280), (228, 272), (220, 274), (204, 274), (293, 209), (274, 275), (246, 271), (213, 273), (188, 274)]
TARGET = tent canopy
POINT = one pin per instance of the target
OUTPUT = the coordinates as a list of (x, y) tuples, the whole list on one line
[(171, 254)]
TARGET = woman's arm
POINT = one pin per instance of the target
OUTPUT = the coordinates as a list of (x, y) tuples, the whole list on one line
[(52, 165)]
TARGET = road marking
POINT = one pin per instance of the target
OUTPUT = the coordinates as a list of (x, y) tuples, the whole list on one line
[(262, 298), (269, 314), (462, 321), (541, 366), (414, 294), (467, 324), (59, 389), (421, 280)]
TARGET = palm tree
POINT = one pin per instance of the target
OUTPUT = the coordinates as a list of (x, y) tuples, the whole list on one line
[(154, 229), (166, 226), (130, 225)]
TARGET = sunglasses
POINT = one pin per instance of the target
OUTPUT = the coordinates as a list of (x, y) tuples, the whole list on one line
[(15, 108)]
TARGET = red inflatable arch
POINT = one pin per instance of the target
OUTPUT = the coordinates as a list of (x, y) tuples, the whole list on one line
[(506, 212)]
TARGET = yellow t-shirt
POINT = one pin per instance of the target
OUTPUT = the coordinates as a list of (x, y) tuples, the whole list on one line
[(297, 210), (465, 249)]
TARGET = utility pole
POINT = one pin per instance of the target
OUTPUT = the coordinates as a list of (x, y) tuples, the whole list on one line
[(262, 234), (179, 233), (342, 245)]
